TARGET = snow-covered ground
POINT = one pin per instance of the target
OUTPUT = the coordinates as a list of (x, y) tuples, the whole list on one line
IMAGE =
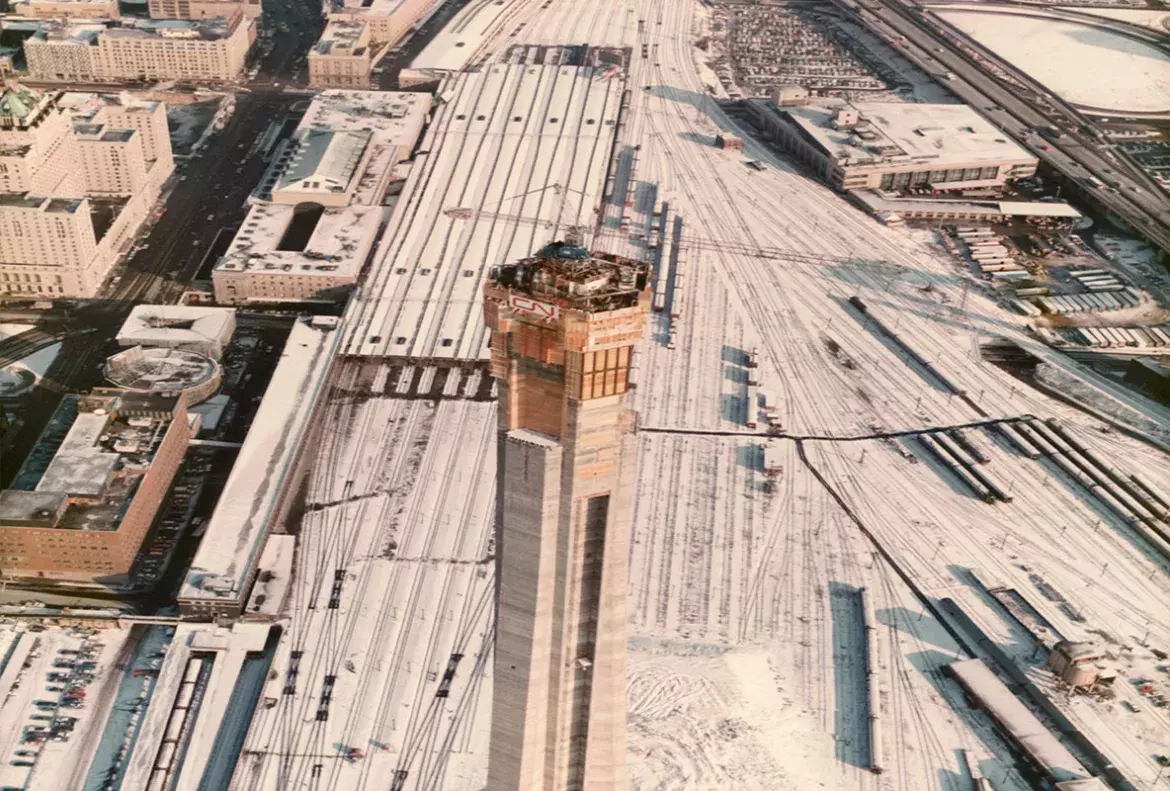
[(745, 663), (1156, 19), (1083, 64), (54, 764)]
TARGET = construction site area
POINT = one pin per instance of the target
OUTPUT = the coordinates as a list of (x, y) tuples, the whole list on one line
[(886, 533), (837, 499)]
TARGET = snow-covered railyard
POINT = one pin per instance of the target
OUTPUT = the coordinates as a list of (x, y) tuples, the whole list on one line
[(748, 638)]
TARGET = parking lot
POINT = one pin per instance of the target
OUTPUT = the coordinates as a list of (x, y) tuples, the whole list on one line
[(57, 684)]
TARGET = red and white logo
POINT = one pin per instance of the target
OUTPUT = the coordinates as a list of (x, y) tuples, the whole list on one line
[(530, 305)]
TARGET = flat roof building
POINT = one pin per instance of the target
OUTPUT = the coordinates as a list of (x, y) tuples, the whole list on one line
[(259, 489), (202, 9), (199, 329), (306, 253), (377, 24), (65, 9), (894, 146), (211, 49), (88, 492), (319, 211), (343, 56)]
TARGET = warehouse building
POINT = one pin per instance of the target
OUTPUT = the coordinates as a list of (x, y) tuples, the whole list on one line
[(894, 146)]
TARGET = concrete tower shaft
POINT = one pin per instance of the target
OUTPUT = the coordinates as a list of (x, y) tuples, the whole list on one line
[(564, 325)]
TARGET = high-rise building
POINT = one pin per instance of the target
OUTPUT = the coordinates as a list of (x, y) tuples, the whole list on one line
[(564, 325), (79, 173)]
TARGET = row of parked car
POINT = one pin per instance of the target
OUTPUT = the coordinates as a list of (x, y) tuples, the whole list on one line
[(72, 672)]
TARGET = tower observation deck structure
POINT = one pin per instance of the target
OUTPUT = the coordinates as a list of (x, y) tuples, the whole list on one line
[(564, 325)]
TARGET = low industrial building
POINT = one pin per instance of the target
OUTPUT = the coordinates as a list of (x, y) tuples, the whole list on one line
[(260, 489), (198, 329), (82, 503), (1077, 664), (890, 207), (894, 146), (306, 253), (210, 49)]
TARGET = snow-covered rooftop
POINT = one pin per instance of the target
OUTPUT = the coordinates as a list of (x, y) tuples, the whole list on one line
[(274, 576), (390, 117), (237, 528), (177, 325), (338, 246), (931, 133), (453, 47)]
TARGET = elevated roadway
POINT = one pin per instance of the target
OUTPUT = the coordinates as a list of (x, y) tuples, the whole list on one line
[(920, 37)]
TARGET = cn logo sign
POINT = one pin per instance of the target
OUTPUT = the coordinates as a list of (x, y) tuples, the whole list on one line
[(529, 305)]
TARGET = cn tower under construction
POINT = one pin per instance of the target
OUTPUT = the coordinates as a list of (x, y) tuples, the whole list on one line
[(564, 325)]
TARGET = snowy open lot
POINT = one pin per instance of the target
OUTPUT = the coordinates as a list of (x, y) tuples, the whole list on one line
[(33, 703), (746, 667), (1083, 64)]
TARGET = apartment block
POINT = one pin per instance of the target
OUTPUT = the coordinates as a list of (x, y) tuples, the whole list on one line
[(48, 247), (112, 160), (202, 9), (564, 326), (36, 145), (82, 503), (125, 111), (63, 52)]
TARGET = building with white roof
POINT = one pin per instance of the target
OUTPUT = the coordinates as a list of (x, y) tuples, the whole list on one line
[(84, 499), (389, 20), (202, 9), (319, 207), (895, 146), (297, 254), (66, 9), (258, 490), (199, 329)]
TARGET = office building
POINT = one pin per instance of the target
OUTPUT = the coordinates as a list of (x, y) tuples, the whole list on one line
[(202, 9), (342, 57), (202, 50), (564, 327), (78, 176), (65, 9), (88, 492), (894, 146)]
